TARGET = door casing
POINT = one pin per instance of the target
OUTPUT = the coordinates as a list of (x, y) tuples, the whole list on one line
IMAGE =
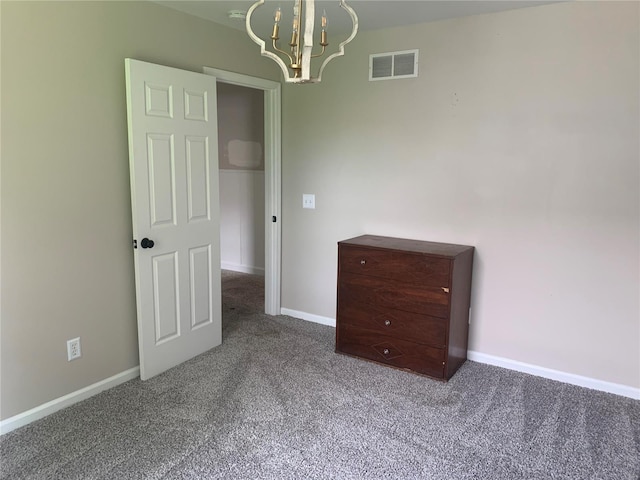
[(272, 178)]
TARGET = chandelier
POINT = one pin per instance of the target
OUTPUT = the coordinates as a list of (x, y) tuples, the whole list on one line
[(295, 59)]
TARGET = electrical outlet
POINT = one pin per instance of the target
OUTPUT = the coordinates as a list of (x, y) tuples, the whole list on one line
[(308, 200), (73, 349)]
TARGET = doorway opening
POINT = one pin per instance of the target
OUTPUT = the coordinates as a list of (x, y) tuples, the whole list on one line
[(240, 162), (241, 170)]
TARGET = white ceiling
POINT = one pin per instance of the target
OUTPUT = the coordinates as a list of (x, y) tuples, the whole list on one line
[(372, 14)]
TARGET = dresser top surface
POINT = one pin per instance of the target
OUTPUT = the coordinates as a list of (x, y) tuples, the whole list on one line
[(403, 244)]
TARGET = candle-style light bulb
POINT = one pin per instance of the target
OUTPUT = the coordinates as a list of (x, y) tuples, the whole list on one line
[(275, 33), (296, 15), (323, 33), (294, 31)]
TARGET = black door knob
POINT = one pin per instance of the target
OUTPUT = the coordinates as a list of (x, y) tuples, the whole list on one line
[(146, 243)]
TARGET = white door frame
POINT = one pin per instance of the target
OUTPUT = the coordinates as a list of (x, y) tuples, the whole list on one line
[(272, 180)]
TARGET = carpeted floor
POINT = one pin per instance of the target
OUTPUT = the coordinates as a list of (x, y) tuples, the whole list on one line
[(275, 401)]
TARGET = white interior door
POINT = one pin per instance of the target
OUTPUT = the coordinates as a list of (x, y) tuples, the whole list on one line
[(173, 156)]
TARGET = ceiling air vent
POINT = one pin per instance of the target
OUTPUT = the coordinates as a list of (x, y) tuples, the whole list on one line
[(387, 66)]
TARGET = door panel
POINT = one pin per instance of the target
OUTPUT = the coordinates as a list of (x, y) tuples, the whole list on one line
[(201, 301), (175, 208), (198, 188), (161, 159), (166, 298)]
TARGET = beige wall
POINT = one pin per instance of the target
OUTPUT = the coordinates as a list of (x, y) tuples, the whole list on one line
[(67, 264), (241, 134), (519, 137)]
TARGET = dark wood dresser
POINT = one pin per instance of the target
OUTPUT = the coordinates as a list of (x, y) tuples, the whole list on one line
[(404, 303)]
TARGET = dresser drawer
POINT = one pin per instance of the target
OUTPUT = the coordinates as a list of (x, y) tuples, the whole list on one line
[(388, 350), (397, 323), (405, 267), (379, 292)]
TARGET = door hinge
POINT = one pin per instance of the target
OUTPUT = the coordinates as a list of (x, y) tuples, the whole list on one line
[(135, 243)]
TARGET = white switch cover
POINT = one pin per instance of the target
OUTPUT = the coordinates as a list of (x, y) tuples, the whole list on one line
[(308, 200)]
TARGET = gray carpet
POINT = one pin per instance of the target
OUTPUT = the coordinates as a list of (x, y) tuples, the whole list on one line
[(275, 401)]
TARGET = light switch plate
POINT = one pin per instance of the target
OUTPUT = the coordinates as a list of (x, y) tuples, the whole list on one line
[(308, 200)]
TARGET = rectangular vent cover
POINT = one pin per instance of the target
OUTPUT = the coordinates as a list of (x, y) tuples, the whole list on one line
[(387, 66)]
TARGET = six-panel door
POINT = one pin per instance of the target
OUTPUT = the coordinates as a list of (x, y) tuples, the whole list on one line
[(174, 178)]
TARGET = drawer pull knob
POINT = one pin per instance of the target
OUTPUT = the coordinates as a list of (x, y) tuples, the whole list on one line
[(445, 289), (387, 322), (362, 262), (386, 351)]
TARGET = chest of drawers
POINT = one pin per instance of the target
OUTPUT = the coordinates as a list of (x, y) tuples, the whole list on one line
[(404, 303)]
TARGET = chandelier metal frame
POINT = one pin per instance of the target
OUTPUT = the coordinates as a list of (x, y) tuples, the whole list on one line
[(299, 68)]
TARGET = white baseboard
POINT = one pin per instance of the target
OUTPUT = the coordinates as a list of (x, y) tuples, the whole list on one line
[(234, 267), (587, 382), (48, 408), (310, 317)]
